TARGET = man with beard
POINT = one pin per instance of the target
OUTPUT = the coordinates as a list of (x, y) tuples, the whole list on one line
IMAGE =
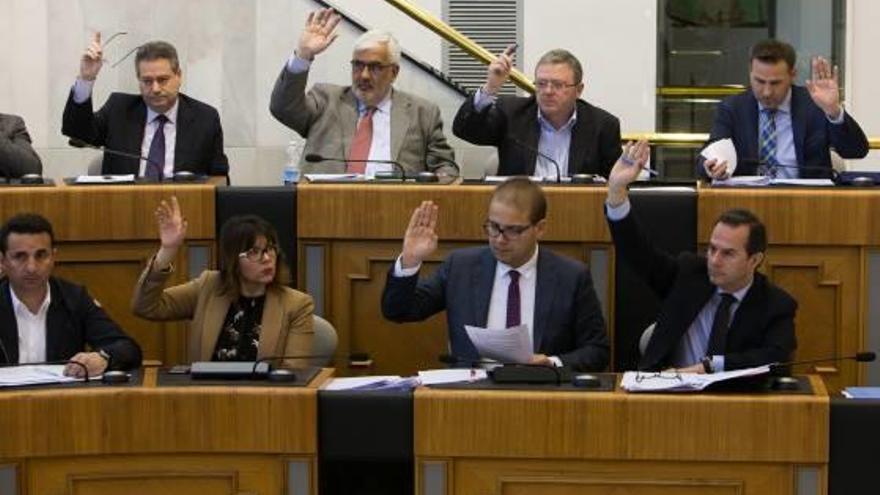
[(369, 120)]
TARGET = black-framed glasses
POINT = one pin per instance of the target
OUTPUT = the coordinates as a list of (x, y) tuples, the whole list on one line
[(256, 254), (375, 68), (659, 375), (553, 84), (494, 229)]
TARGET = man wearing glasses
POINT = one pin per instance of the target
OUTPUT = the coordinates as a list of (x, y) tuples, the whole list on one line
[(172, 131), (511, 281), (553, 127), (368, 120)]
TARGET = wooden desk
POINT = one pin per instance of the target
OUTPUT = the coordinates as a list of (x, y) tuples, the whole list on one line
[(106, 234), (349, 236), (169, 440), (513, 442)]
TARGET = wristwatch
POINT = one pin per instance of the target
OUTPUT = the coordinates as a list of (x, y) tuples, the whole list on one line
[(106, 355), (707, 365)]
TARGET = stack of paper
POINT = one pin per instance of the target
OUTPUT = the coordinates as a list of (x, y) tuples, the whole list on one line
[(41, 374), (506, 345), (862, 392), (669, 381), (384, 382)]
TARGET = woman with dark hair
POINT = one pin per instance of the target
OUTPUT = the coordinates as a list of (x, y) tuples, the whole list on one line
[(243, 312)]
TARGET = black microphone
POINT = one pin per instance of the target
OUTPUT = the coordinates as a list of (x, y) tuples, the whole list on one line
[(537, 152), (251, 370), (79, 143), (9, 364), (771, 167), (398, 174), (860, 357), (449, 161), (513, 372)]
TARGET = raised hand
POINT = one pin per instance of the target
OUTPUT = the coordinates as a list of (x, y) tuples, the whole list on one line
[(92, 60), (319, 33), (499, 70), (631, 162), (420, 239), (172, 225), (824, 87)]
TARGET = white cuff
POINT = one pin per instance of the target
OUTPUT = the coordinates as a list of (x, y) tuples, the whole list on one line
[(619, 212), (82, 90), (400, 271), (556, 361), (840, 117), (483, 99), (717, 364)]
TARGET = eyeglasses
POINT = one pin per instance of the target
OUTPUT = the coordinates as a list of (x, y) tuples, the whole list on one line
[(256, 254), (659, 375), (511, 232), (553, 84), (374, 67)]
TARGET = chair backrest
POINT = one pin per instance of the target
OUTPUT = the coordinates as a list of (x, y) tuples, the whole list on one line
[(645, 338), (324, 343)]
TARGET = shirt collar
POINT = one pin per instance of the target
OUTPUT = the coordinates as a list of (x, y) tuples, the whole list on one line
[(171, 114), (22, 309), (527, 270), (785, 107), (545, 123), (740, 294), (384, 106)]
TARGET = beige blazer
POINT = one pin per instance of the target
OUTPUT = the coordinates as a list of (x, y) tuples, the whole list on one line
[(327, 117), (287, 325)]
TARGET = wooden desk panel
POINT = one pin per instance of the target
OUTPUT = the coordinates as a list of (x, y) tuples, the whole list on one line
[(567, 442)]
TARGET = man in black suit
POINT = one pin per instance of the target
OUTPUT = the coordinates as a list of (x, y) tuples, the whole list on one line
[(173, 131), (777, 122), (45, 318), (554, 125), (507, 283), (717, 313)]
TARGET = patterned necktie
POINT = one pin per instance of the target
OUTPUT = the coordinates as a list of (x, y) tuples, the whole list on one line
[(767, 144), (513, 303), (360, 145), (718, 339), (156, 158)]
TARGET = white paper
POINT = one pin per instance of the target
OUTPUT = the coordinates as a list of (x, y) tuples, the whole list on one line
[(722, 150), (453, 375), (743, 180), (667, 381), (502, 178), (105, 179), (357, 382), (38, 374), (803, 182), (507, 345), (334, 177)]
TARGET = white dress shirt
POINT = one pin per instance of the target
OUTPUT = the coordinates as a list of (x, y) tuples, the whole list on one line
[(31, 329), (82, 91)]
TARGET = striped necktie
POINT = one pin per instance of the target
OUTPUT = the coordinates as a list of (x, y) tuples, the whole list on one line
[(767, 143)]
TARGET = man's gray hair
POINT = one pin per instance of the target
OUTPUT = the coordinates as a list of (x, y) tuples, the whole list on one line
[(377, 37), (560, 56)]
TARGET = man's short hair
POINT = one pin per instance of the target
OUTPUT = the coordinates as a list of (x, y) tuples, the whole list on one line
[(378, 38), (524, 195), (156, 50), (757, 242), (772, 51), (560, 56), (25, 223)]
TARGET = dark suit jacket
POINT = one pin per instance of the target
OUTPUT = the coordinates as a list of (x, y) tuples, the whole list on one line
[(568, 319), (595, 138), (120, 123), (17, 156), (737, 118), (762, 329), (72, 322)]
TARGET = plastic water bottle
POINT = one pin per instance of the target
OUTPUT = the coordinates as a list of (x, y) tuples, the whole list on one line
[(291, 168)]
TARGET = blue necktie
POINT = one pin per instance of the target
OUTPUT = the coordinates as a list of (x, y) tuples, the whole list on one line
[(767, 143), (156, 158)]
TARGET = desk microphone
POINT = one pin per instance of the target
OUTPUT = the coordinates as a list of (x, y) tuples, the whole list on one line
[(261, 369), (772, 167), (398, 174), (537, 152), (859, 357), (517, 372), (79, 143)]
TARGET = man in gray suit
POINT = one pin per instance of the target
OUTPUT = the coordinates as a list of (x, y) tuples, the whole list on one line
[(368, 120), (17, 157), (510, 282)]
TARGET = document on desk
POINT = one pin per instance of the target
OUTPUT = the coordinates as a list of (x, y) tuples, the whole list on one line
[(38, 374), (670, 381), (335, 177), (452, 375), (506, 345), (105, 179)]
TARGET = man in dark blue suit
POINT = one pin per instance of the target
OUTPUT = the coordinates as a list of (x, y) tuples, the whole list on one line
[(776, 123), (511, 281)]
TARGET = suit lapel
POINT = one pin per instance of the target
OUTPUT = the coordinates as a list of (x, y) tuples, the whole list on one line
[(400, 122), (348, 117), (483, 278), (215, 314), (545, 294), (8, 325), (798, 125), (136, 126), (57, 327), (185, 127), (577, 150), (751, 131), (271, 325), (531, 140)]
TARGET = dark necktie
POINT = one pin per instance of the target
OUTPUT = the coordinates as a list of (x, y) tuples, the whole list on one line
[(156, 158), (718, 338), (513, 304)]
